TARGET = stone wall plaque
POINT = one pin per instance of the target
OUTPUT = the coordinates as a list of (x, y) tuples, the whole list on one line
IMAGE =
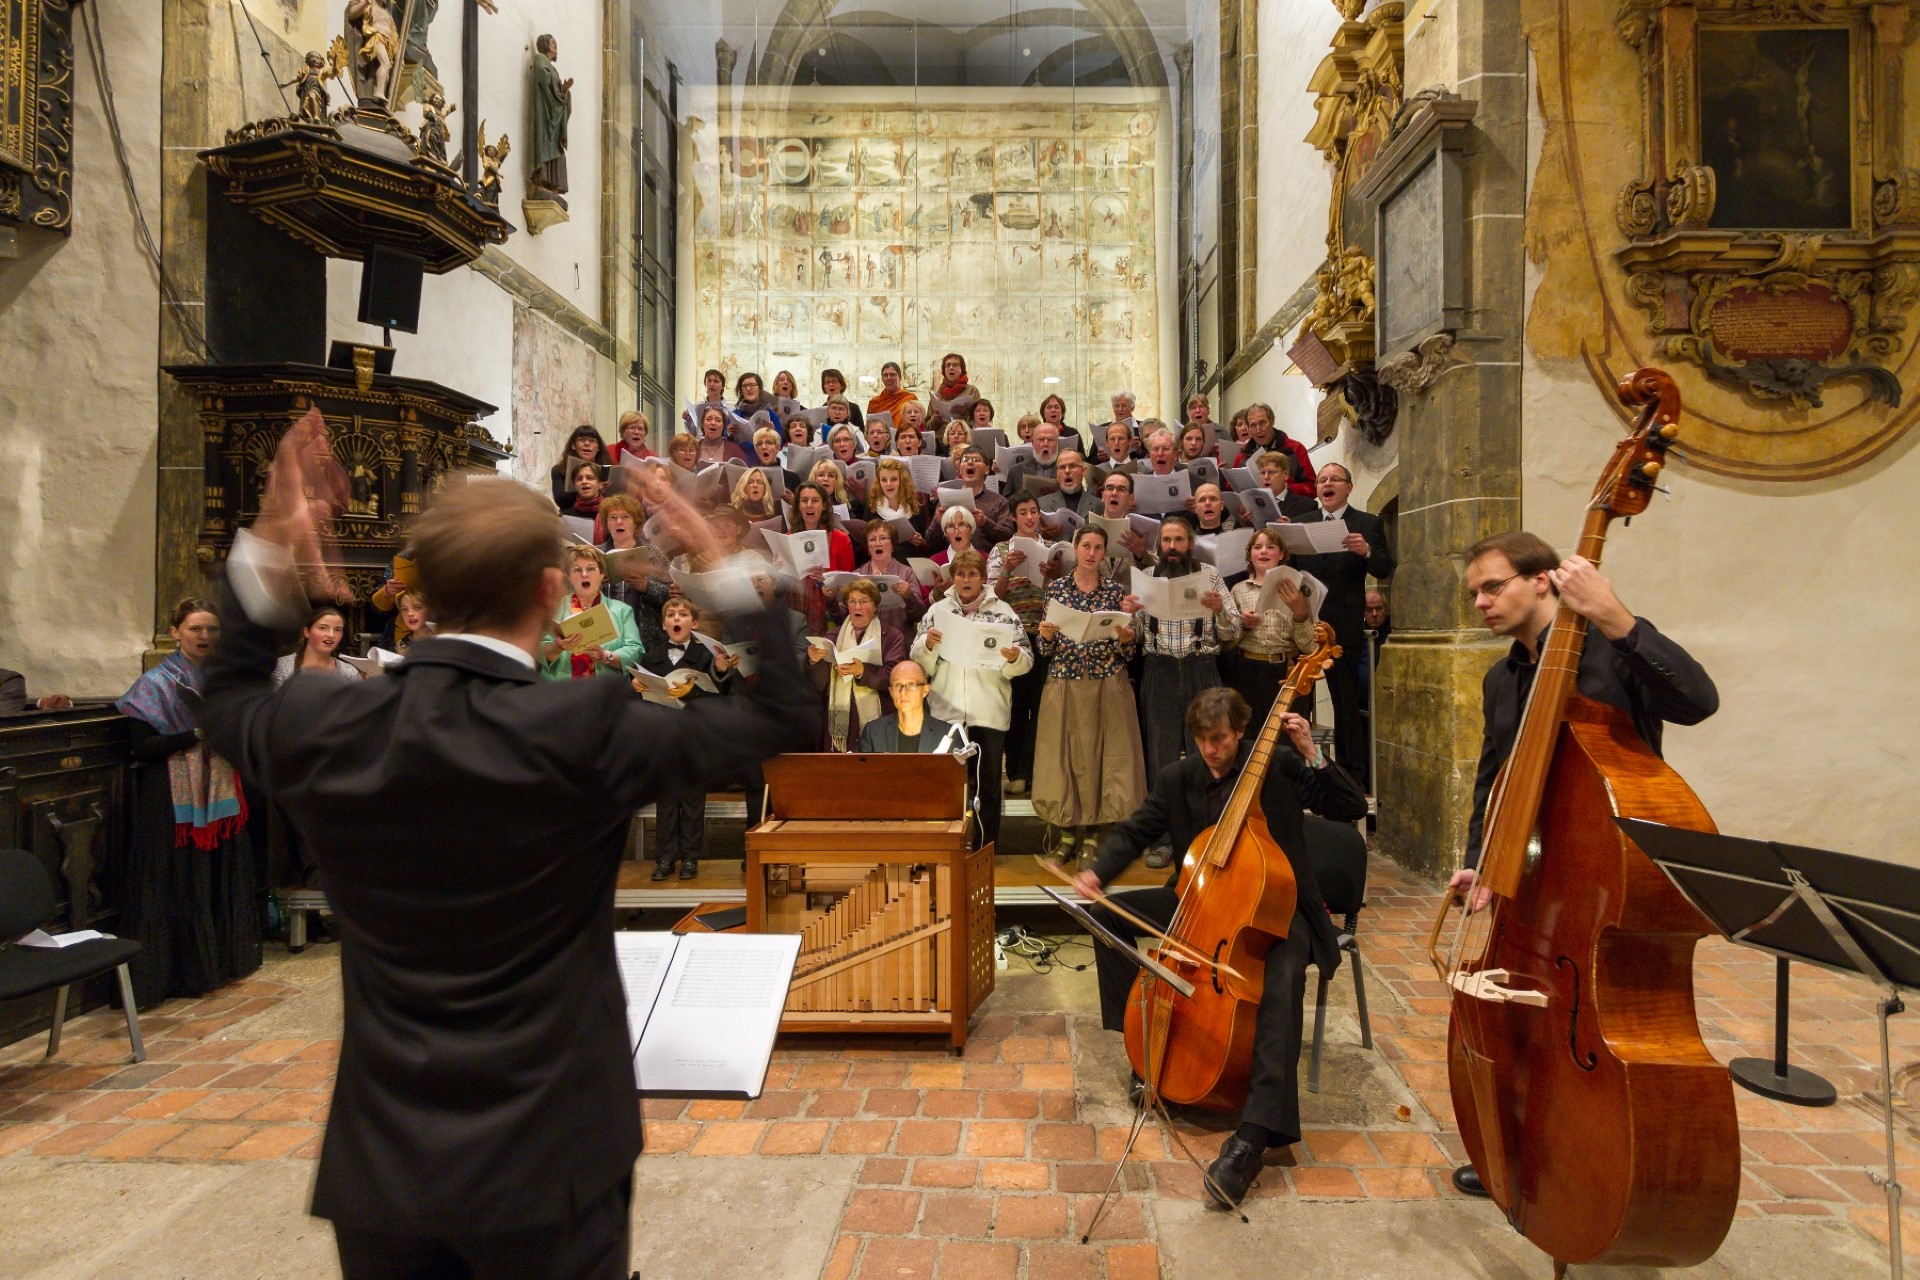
[(1419, 233)]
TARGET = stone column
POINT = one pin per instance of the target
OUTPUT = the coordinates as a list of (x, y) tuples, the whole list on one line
[(1460, 466)]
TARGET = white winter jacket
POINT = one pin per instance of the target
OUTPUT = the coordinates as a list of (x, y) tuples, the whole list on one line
[(977, 697)]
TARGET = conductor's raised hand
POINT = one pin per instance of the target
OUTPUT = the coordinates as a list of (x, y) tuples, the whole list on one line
[(305, 487), (685, 522)]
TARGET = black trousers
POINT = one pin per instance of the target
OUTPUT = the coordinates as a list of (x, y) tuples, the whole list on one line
[(680, 826), (1273, 1090), (986, 779), (1349, 728), (1025, 725), (1167, 685), (594, 1246)]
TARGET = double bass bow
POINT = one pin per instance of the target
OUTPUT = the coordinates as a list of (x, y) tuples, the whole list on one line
[(1237, 895), (1594, 1114)]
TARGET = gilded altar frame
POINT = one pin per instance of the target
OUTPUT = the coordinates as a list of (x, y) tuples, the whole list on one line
[(1776, 310), (36, 113)]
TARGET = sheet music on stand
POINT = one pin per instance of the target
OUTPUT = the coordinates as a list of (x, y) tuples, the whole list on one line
[(703, 1009)]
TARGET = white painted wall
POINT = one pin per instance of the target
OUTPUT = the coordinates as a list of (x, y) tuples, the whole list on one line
[(78, 398), (1294, 179), (1800, 600)]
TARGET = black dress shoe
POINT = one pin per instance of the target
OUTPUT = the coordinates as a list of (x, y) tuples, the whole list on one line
[(1233, 1172), (689, 869), (661, 869), (1466, 1180)]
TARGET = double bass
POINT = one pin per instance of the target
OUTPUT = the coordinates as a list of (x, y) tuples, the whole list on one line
[(1237, 895), (1594, 1114)]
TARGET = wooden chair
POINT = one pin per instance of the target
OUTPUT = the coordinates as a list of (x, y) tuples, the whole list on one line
[(27, 902)]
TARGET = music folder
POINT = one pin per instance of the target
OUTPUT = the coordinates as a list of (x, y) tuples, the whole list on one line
[(703, 1009)]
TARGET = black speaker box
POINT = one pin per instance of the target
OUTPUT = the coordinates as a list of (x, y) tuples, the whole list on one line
[(390, 289)]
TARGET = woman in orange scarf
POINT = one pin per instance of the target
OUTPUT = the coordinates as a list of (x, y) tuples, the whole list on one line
[(892, 395)]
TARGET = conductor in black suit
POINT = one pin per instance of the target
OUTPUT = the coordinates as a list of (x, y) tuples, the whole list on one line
[(1344, 609), (469, 818)]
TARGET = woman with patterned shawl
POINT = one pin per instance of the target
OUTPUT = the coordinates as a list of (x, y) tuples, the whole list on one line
[(189, 893)]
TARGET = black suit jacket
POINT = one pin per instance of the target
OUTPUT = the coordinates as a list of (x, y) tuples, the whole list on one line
[(468, 820), (1086, 502), (1176, 810), (883, 735), (697, 657), (1346, 575)]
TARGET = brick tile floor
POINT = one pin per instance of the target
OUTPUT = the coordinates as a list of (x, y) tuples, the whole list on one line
[(989, 1164)]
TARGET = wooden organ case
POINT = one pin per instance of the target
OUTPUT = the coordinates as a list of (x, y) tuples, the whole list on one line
[(866, 857)]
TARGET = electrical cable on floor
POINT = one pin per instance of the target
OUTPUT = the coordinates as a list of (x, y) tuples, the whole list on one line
[(1040, 954)]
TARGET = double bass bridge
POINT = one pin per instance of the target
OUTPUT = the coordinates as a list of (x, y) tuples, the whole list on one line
[(1491, 986)]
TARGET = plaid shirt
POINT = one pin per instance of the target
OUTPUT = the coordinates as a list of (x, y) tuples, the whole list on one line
[(1185, 637)]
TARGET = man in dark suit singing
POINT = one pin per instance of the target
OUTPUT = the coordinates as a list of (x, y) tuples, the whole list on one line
[(1344, 609), (1188, 796), (468, 820)]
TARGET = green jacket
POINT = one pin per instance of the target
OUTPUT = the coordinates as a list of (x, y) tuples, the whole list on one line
[(626, 649)]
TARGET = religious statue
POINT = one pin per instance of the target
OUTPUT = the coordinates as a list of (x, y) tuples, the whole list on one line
[(492, 156), (375, 37), (434, 132), (312, 83), (552, 105)]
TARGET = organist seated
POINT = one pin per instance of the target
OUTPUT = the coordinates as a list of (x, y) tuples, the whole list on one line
[(910, 729)]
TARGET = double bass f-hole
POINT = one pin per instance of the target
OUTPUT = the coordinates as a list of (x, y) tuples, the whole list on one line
[(1586, 1062), (1214, 976)]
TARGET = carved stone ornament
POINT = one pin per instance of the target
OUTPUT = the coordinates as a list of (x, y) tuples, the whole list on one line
[(1359, 93), (1412, 372), (1774, 199), (36, 113)]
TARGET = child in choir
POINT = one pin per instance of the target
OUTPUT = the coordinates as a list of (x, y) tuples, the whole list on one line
[(585, 487), (892, 495), (680, 817), (318, 652), (572, 658), (1270, 639)]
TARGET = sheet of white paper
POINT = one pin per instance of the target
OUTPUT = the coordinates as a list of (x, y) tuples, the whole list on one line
[(969, 643), (799, 552), (1064, 521), (1171, 597), (1157, 495), (1006, 455), (1225, 551), (1147, 527), (712, 1026), (1086, 628), (41, 938), (1313, 537), (1114, 529), (643, 960), (862, 469), (986, 439), (901, 521), (1241, 479), (1038, 555), (578, 526), (958, 495), (1204, 471), (1311, 587), (929, 573), (926, 471), (1261, 506)]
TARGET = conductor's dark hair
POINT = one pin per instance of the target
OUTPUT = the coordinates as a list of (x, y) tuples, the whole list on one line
[(1528, 553), (482, 551), (1214, 707)]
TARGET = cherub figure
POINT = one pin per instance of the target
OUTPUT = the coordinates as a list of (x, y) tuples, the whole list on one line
[(492, 156), (312, 82)]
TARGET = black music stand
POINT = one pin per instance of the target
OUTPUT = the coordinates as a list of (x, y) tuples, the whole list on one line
[(1850, 915), (1150, 1103)]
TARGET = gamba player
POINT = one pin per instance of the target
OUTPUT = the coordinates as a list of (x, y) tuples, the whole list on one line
[(1187, 797)]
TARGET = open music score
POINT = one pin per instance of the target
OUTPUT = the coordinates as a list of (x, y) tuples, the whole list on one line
[(703, 1009)]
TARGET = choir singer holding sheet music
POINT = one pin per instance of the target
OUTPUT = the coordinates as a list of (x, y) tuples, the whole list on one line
[(484, 1119)]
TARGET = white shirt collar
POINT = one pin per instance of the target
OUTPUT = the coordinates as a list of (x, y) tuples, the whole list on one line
[(494, 643)]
